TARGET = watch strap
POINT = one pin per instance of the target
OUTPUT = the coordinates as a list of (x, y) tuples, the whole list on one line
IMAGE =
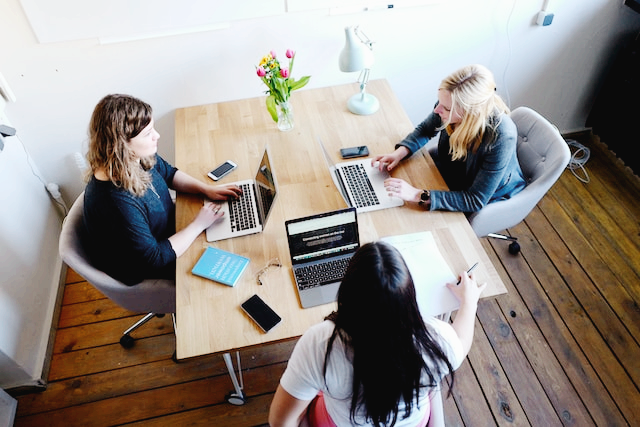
[(425, 196)]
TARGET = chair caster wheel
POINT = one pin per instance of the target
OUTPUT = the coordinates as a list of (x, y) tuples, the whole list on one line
[(514, 248), (235, 399), (127, 341)]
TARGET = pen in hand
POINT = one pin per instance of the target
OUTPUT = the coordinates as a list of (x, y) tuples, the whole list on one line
[(468, 272)]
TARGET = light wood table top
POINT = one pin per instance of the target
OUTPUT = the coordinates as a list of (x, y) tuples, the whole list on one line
[(209, 317)]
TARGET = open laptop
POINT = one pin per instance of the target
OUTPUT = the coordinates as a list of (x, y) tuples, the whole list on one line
[(250, 212), (321, 247), (360, 184)]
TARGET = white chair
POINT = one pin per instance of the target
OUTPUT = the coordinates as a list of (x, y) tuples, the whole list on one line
[(543, 155), (154, 297), (436, 418)]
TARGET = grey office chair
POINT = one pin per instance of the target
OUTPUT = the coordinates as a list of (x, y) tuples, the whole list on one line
[(155, 297), (543, 155)]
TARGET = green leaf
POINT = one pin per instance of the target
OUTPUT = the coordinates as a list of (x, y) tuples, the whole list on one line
[(271, 107), (297, 84), (283, 89)]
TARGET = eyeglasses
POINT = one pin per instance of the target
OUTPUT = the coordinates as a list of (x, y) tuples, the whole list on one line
[(274, 262)]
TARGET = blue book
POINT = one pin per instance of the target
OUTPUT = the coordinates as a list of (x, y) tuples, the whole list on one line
[(220, 266)]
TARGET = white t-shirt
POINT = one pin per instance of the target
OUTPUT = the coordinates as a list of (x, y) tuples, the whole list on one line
[(304, 377)]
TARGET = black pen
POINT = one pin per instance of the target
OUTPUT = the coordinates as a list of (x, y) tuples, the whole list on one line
[(468, 272)]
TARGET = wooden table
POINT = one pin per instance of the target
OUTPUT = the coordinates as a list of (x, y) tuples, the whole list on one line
[(209, 318)]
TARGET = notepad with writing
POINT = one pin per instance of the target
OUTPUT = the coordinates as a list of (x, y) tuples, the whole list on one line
[(429, 270), (220, 266)]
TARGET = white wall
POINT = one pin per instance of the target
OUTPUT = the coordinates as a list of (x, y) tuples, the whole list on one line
[(555, 69), (29, 268)]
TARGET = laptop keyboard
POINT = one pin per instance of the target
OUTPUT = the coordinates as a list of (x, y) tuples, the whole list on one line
[(361, 188), (321, 274), (241, 210)]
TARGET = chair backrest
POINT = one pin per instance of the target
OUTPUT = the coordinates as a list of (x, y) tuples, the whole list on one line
[(157, 296), (543, 155), (436, 418)]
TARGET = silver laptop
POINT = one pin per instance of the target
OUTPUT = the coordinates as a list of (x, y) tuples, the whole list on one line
[(249, 213), (361, 185), (321, 247)]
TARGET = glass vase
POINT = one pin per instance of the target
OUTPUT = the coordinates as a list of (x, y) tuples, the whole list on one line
[(285, 116)]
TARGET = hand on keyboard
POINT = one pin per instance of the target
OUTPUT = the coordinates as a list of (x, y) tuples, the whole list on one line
[(209, 213), (397, 187)]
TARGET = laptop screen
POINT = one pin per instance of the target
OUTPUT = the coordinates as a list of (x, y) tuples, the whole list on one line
[(322, 236), (265, 187), (335, 176)]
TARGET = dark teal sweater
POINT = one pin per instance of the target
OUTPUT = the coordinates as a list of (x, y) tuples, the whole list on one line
[(128, 235)]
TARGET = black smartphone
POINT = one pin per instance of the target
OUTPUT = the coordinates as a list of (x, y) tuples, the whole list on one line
[(348, 153), (261, 313), (222, 170)]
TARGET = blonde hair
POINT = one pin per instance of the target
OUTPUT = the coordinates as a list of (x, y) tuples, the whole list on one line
[(473, 94), (114, 122)]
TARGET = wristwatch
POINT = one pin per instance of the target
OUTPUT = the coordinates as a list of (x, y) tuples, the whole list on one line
[(425, 196)]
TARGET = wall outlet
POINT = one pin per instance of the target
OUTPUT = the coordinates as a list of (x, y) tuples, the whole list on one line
[(544, 18)]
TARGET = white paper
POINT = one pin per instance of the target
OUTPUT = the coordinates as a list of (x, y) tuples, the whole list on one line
[(429, 270)]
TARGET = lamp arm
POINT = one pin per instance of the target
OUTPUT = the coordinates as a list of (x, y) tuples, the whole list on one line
[(364, 79), (363, 37)]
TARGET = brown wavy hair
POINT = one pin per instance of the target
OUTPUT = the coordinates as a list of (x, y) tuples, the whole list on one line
[(114, 122)]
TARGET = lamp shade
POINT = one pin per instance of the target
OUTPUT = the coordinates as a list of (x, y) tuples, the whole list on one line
[(355, 55)]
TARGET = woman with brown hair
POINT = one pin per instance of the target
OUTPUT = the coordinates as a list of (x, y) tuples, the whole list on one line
[(129, 214)]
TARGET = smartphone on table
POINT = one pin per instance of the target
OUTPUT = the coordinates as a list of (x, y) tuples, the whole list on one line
[(360, 151), (261, 313), (221, 170)]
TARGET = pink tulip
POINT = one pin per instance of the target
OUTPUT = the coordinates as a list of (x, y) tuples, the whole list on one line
[(284, 72), (290, 53), (261, 72), (273, 54)]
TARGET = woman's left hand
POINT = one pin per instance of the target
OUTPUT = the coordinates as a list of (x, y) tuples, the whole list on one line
[(222, 192), (397, 187)]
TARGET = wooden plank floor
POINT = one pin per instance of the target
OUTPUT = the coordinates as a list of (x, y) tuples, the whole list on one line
[(561, 348)]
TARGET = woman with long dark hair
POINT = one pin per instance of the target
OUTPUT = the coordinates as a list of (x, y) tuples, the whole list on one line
[(375, 360)]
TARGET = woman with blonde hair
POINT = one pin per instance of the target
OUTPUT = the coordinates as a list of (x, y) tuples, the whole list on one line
[(476, 152), (129, 215)]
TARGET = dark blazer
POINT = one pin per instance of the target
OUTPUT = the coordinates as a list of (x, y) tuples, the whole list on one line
[(492, 173)]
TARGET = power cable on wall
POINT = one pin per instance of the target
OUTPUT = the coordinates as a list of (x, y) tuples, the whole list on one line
[(579, 153), (579, 157), (506, 67), (52, 189)]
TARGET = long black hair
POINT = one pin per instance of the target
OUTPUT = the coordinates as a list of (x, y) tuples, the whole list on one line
[(379, 320)]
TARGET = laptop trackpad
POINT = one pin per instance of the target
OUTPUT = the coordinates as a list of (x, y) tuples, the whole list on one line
[(330, 292), (319, 295)]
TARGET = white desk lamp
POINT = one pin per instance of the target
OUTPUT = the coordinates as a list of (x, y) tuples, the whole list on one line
[(357, 55)]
